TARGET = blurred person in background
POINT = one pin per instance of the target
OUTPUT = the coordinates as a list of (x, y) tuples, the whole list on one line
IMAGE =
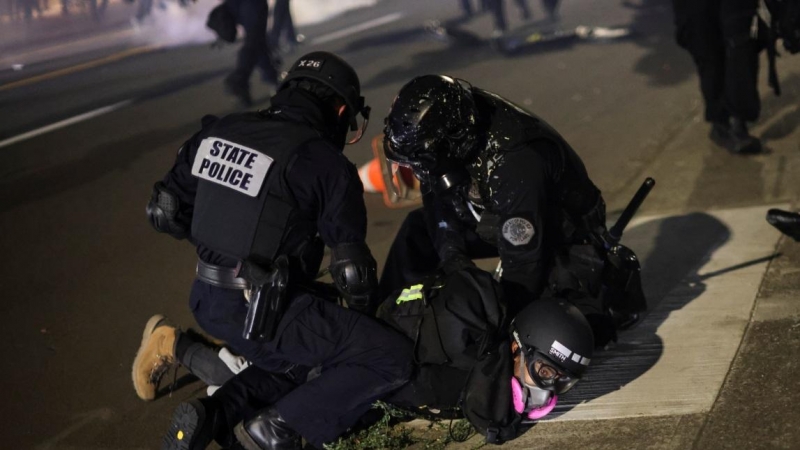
[(97, 9), (255, 50), (144, 9), (283, 25), (721, 36), (498, 10), (28, 7)]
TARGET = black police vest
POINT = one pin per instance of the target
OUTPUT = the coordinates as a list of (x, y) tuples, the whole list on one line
[(242, 207)]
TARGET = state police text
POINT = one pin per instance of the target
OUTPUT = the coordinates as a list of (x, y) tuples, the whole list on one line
[(229, 173)]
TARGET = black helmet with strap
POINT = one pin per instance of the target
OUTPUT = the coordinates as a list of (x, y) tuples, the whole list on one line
[(558, 331), (431, 126), (337, 74)]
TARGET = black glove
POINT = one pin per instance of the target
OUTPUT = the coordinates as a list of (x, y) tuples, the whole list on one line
[(355, 274), (455, 263), (255, 274)]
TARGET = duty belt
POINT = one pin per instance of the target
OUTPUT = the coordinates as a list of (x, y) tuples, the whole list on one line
[(224, 277)]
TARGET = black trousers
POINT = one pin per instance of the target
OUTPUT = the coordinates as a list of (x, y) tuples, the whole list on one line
[(282, 23), (221, 313), (250, 391), (361, 361), (255, 51), (498, 10), (717, 33)]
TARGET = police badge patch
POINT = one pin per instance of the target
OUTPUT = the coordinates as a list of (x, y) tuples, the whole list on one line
[(518, 231)]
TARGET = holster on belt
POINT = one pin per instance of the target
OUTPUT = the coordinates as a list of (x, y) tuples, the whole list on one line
[(268, 300)]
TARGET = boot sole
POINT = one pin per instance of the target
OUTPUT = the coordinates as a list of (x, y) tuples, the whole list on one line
[(151, 325), (183, 431), (244, 438)]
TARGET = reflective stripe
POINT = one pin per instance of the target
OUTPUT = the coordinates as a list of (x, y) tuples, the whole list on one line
[(410, 293)]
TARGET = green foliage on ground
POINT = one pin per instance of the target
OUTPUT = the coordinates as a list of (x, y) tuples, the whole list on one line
[(390, 433)]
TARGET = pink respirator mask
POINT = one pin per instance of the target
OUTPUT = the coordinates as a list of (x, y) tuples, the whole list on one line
[(533, 400)]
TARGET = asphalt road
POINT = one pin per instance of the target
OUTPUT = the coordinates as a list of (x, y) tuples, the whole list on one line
[(83, 270)]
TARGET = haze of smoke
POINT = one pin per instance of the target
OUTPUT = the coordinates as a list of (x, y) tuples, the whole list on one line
[(174, 25)]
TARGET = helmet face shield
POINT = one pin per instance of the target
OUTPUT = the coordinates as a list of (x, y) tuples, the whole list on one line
[(354, 125), (547, 375), (398, 178), (397, 154), (556, 329), (435, 175), (543, 372), (422, 165)]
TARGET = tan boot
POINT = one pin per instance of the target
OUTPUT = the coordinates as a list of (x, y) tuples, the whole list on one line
[(155, 357)]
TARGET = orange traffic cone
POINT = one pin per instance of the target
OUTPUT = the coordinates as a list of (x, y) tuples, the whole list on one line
[(371, 177), (374, 181)]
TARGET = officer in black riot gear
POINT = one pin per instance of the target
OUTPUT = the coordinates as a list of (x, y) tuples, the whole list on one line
[(498, 180), (252, 186), (722, 37), (260, 194)]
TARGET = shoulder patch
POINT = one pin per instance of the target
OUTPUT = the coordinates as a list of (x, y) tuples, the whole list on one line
[(518, 231)]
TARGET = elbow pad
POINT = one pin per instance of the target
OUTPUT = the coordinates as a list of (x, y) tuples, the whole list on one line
[(355, 274), (162, 211)]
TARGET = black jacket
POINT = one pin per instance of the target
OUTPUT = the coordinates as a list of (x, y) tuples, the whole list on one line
[(534, 191), (462, 350), (323, 183)]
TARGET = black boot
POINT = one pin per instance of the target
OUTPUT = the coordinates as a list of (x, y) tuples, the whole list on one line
[(194, 425), (786, 222), (267, 431), (735, 137)]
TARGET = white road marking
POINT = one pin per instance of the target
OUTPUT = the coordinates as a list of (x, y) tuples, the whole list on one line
[(64, 123), (389, 18), (676, 360)]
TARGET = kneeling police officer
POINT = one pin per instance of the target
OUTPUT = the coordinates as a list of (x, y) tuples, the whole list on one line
[(251, 189), (499, 181)]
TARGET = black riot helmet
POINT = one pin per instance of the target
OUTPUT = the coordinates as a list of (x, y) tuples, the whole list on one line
[(431, 129), (337, 74), (553, 334)]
